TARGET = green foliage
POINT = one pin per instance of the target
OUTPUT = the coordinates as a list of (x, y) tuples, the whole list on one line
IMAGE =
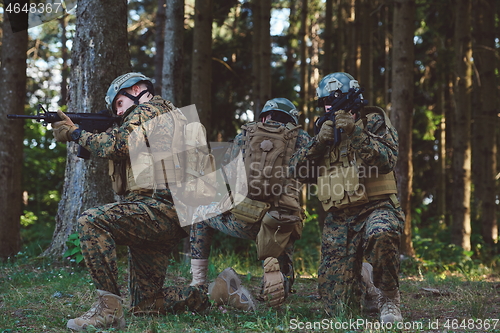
[(43, 177), (74, 250), (436, 254), (39, 296), (307, 248)]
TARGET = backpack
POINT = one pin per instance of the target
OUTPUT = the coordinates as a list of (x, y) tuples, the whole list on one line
[(267, 149)]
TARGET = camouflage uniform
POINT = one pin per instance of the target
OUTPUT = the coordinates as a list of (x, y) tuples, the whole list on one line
[(213, 219), (145, 221), (371, 231)]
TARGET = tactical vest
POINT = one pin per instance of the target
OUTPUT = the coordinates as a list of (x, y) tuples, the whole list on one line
[(344, 181), (148, 170), (267, 149)]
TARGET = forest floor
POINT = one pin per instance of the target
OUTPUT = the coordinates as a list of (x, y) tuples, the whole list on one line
[(38, 296)]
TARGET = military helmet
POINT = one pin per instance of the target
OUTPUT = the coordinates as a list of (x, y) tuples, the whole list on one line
[(123, 82), (336, 81), (282, 105)]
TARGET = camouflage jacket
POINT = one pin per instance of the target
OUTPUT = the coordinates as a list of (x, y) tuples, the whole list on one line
[(115, 144)]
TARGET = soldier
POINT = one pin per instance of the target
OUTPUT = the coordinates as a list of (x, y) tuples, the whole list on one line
[(356, 187), (145, 221), (272, 200)]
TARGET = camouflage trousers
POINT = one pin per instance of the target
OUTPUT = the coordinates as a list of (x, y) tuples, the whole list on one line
[(150, 229), (372, 232), (213, 220)]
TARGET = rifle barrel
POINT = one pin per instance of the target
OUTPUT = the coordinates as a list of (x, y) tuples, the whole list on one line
[(24, 116)]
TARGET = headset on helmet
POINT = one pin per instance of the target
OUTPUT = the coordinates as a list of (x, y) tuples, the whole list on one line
[(284, 107), (126, 81)]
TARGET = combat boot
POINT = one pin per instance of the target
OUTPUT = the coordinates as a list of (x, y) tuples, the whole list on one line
[(227, 289), (389, 303), (199, 268), (273, 285), (372, 293), (105, 313)]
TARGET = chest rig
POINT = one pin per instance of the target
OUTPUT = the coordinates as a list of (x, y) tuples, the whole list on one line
[(344, 181)]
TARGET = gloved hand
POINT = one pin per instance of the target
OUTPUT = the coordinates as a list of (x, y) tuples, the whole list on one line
[(345, 121), (327, 132), (62, 129)]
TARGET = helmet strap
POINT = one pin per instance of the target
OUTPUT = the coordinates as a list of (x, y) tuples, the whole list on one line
[(135, 98)]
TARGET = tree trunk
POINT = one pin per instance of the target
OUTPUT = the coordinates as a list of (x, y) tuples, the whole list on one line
[(441, 183), (328, 38), (292, 40), (350, 37), (461, 226), (100, 53), (256, 60), (160, 42), (265, 49), (402, 107), (64, 58), (366, 45), (201, 76), (313, 77), (172, 82), (13, 86), (339, 37), (304, 82), (387, 54), (485, 120)]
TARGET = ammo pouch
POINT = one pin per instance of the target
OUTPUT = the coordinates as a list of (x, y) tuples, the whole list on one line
[(341, 188), (199, 186), (275, 232), (246, 209), (118, 174)]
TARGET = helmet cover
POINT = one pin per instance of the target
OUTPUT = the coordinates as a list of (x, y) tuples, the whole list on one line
[(122, 82), (282, 105), (336, 81)]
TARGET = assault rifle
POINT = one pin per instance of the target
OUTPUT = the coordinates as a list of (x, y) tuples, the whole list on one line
[(90, 122), (351, 101)]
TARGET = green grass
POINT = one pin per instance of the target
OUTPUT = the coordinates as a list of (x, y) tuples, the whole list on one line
[(37, 295)]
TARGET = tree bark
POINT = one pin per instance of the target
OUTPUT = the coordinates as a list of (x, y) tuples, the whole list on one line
[(172, 77), (387, 54), (64, 57), (461, 226), (341, 33), (100, 53), (303, 36), (328, 38), (256, 59), (441, 183), (292, 35), (201, 76), (160, 42), (485, 120), (265, 48), (402, 108), (366, 45), (13, 86)]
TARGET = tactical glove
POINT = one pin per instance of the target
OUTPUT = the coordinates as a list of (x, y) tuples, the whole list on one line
[(345, 121), (62, 129), (327, 132)]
